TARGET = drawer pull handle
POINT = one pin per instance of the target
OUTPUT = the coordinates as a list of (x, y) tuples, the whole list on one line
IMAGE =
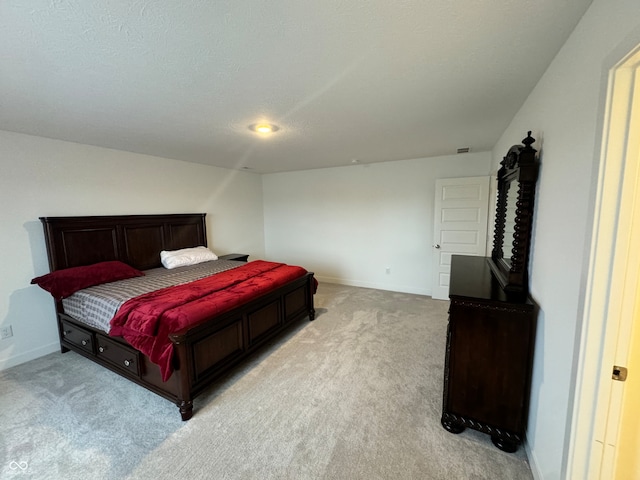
[(66, 332), (101, 349), (84, 343), (127, 363)]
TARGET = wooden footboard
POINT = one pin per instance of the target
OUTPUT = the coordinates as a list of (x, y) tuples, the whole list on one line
[(202, 353), (206, 352)]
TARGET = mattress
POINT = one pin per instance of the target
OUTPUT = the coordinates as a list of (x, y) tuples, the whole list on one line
[(96, 306)]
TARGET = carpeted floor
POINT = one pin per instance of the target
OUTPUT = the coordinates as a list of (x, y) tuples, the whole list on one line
[(356, 394)]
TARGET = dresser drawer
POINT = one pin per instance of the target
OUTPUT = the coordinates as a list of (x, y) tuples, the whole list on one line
[(78, 336), (121, 356)]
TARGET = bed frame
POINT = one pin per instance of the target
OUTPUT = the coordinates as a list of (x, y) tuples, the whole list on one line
[(202, 353)]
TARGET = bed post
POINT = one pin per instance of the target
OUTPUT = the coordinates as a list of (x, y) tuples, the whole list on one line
[(60, 309), (184, 400), (311, 290)]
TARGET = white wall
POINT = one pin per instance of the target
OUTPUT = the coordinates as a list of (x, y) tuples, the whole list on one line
[(42, 177), (565, 113), (348, 224)]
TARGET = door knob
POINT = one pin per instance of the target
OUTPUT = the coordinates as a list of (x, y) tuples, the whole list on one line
[(437, 246)]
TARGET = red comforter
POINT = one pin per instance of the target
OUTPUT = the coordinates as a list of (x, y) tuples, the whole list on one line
[(147, 320)]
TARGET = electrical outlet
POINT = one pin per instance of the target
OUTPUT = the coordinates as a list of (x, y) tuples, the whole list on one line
[(6, 332)]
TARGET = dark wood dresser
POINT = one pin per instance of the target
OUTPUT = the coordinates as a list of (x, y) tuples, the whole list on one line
[(490, 341)]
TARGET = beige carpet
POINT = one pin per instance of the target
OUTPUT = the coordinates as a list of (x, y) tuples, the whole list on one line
[(356, 394)]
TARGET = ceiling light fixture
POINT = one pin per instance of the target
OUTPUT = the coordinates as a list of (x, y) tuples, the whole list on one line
[(264, 128)]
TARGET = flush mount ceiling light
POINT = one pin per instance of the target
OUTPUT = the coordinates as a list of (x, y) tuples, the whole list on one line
[(264, 128)]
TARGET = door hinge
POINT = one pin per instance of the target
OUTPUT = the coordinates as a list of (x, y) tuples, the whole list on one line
[(619, 373)]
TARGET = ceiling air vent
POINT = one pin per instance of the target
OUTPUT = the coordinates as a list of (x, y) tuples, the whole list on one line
[(463, 150)]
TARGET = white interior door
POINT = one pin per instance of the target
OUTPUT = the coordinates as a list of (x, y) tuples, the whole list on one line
[(459, 225)]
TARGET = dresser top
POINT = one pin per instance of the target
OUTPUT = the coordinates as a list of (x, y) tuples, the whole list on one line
[(471, 278)]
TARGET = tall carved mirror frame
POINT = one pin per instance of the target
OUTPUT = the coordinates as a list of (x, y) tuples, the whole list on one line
[(514, 217)]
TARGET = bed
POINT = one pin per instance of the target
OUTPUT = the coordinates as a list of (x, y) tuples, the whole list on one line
[(196, 352)]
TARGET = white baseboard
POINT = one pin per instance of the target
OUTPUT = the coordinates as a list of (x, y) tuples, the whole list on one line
[(12, 361), (533, 464), (377, 286)]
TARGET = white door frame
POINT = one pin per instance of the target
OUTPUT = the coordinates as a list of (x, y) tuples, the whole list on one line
[(607, 267)]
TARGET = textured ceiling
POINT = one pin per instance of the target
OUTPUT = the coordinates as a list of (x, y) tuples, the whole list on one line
[(371, 80)]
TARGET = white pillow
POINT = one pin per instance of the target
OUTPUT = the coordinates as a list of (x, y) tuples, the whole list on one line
[(186, 256)]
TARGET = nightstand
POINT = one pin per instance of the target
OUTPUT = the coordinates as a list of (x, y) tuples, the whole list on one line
[(239, 257)]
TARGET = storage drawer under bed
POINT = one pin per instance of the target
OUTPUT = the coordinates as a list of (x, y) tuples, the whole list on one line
[(100, 346), (78, 336), (121, 356)]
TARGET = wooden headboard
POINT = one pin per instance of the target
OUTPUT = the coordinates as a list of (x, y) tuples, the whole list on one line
[(136, 240)]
